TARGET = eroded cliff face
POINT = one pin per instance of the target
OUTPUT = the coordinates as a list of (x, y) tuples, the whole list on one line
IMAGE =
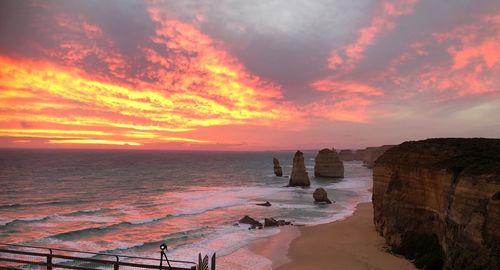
[(443, 189), (367, 155)]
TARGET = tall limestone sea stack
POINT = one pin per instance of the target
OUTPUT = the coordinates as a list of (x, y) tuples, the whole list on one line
[(277, 167), (299, 175), (437, 201), (328, 164)]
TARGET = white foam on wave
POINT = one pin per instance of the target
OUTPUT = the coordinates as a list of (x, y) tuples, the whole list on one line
[(195, 208), (203, 193), (232, 240), (352, 183), (147, 220), (85, 215), (224, 241), (295, 206), (87, 218), (30, 219), (203, 200)]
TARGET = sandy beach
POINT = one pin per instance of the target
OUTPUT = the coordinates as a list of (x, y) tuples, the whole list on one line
[(347, 244)]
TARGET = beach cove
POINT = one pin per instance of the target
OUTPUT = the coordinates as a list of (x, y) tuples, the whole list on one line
[(351, 243)]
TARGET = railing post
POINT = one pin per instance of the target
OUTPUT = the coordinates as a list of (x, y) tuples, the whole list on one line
[(117, 263), (213, 261), (49, 260)]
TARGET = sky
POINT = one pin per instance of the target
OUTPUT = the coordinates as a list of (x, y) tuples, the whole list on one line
[(247, 75)]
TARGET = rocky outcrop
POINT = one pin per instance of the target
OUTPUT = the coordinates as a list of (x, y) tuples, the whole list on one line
[(267, 203), (254, 224), (250, 221), (320, 196), (271, 222), (367, 155), (277, 167), (437, 201), (268, 222), (299, 176), (328, 164)]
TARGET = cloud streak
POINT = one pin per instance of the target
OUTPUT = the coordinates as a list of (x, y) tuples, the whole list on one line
[(384, 20)]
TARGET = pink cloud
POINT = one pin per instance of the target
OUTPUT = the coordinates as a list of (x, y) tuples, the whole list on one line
[(82, 39), (486, 51), (347, 109), (335, 60), (347, 100), (347, 87), (471, 62), (383, 21), (356, 95)]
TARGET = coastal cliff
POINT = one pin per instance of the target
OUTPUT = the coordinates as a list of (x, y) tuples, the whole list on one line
[(367, 155), (437, 201)]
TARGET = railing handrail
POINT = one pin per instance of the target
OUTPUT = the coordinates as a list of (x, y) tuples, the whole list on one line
[(94, 253), (61, 265)]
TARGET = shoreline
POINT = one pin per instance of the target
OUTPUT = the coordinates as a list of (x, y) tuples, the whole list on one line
[(349, 243)]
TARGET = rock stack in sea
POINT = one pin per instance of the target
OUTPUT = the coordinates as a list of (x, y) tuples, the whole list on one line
[(277, 167), (299, 176), (328, 164), (437, 202), (320, 196)]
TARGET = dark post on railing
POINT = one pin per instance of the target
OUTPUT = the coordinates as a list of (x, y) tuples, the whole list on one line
[(49, 260), (117, 263), (213, 262)]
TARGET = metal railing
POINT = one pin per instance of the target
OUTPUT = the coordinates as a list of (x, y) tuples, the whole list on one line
[(33, 257)]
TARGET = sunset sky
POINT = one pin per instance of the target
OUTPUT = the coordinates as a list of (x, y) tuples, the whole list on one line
[(247, 75)]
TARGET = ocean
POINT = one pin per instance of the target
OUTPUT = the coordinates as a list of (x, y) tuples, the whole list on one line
[(130, 201)]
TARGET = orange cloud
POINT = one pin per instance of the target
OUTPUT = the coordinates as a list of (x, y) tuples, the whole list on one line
[(189, 82), (45, 93), (209, 70)]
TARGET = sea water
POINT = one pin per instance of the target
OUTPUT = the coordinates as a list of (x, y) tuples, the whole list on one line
[(130, 201)]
